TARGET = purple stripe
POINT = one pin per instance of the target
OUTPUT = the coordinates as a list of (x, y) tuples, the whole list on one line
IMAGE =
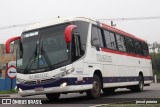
[(86, 80)]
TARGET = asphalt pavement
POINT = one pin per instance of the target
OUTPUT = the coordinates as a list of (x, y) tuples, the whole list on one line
[(81, 100)]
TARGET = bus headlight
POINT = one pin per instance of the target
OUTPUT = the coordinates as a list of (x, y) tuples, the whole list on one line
[(20, 90), (63, 85)]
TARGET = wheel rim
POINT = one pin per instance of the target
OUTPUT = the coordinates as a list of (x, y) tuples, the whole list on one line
[(96, 87)]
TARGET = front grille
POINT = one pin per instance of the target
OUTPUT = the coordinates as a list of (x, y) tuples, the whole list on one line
[(30, 82), (47, 80), (42, 81)]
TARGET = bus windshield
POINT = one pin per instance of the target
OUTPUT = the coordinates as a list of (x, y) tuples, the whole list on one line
[(42, 48)]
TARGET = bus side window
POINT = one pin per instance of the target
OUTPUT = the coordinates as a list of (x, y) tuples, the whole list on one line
[(130, 45), (138, 47), (145, 49), (121, 43), (113, 41), (100, 37), (77, 51), (96, 39), (110, 40)]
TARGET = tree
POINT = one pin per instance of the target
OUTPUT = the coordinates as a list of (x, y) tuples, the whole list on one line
[(155, 56), (156, 45)]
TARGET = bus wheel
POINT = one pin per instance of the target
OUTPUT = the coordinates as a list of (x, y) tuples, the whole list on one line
[(108, 90), (139, 87), (96, 90), (53, 96)]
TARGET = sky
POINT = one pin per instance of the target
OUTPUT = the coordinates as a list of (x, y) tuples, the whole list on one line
[(14, 12)]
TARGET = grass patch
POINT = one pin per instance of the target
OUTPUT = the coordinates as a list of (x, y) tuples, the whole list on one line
[(8, 92), (158, 75)]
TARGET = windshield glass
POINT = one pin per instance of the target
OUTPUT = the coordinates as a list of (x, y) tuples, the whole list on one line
[(42, 48), (53, 46), (27, 50)]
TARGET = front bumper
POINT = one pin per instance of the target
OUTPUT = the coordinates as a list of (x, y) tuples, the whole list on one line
[(68, 89)]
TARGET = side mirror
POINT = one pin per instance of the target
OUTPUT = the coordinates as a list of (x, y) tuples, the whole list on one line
[(8, 42), (68, 33)]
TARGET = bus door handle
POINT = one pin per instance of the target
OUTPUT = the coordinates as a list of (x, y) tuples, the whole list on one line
[(139, 62), (90, 66)]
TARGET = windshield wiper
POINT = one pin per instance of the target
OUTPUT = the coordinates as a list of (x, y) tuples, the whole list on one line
[(43, 52), (31, 60)]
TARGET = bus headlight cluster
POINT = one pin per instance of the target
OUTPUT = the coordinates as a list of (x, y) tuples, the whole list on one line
[(19, 81)]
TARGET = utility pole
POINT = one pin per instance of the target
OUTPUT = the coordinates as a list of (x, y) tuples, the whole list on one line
[(155, 62), (154, 55)]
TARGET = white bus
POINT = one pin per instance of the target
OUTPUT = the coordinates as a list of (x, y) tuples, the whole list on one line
[(78, 54)]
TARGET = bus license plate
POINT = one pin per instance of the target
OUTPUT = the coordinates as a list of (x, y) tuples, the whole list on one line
[(39, 89)]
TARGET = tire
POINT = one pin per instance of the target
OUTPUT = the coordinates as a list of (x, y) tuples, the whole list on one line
[(108, 90), (53, 96), (96, 90), (139, 87)]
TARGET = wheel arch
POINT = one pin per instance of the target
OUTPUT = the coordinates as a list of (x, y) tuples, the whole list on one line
[(99, 74), (141, 74)]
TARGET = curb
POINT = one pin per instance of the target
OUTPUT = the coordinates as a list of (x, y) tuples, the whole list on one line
[(4, 95)]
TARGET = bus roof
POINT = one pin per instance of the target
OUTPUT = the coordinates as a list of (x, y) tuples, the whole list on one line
[(68, 19)]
